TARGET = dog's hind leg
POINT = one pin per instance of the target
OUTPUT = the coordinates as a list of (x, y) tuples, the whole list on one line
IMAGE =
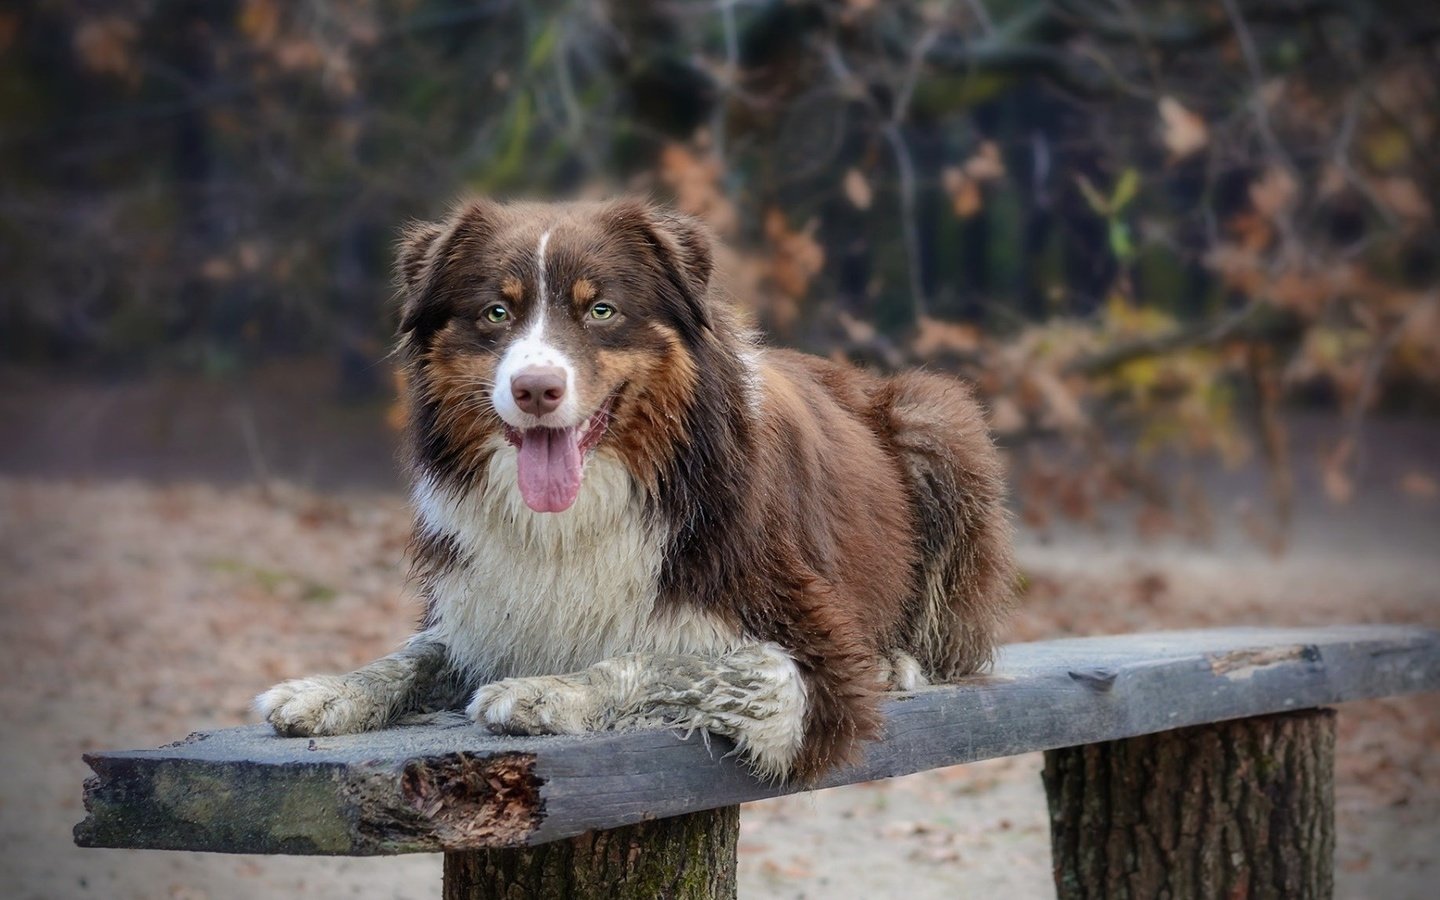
[(899, 671), (371, 697), (753, 695), (967, 571)]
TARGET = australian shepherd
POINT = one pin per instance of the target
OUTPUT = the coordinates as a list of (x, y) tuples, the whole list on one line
[(628, 513)]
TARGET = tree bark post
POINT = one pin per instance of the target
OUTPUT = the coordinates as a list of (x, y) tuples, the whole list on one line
[(1239, 810), (689, 857)]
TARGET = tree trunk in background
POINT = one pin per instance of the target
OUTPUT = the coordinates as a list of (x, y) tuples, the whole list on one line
[(688, 857), (1240, 810)]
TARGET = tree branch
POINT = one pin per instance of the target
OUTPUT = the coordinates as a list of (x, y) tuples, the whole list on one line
[(1258, 321)]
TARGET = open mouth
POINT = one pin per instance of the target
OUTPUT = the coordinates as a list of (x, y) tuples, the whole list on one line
[(549, 460)]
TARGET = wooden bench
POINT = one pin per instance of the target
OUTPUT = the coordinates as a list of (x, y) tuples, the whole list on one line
[(1180, 764)]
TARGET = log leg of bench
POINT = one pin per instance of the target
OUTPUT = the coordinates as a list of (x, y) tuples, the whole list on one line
[(690, 857), (1241, 809)]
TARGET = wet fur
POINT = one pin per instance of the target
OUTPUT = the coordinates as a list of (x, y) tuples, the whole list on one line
[(764, 541)]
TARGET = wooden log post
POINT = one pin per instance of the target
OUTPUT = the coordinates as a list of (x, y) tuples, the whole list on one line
[(689, 857), (1237, 809)]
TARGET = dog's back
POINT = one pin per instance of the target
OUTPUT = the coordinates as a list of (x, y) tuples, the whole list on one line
[(935, 447)]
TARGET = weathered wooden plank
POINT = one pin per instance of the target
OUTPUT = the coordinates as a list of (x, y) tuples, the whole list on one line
[(245, 790)]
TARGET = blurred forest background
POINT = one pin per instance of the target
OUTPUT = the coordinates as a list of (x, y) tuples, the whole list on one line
[(1186, 250), (1138, 225)]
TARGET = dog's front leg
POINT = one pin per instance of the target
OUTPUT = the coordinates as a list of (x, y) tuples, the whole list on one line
[(754, 695), (371, 697)]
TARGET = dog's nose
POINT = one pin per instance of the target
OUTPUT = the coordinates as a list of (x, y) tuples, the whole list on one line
[(538, 390)]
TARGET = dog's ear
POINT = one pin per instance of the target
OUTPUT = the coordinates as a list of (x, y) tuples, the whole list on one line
[(423, 251), (412, 258), (687, 245), (683, 247), (415, 266)]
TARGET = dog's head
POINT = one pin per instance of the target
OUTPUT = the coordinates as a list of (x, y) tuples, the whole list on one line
[(561, 328)]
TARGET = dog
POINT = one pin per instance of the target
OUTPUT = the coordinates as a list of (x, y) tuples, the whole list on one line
[(628, 513)]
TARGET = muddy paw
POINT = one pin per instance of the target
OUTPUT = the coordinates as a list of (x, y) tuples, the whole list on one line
[(320, 705), (543, 705)]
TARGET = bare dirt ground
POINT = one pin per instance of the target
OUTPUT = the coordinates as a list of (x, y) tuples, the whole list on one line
[(134, 613)]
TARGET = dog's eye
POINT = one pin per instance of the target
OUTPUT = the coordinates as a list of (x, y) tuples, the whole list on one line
[(602, 311), (496, 314)]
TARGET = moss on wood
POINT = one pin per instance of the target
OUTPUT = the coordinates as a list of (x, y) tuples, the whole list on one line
[(690, 857)]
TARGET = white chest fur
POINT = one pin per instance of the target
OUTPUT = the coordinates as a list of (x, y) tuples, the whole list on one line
[(549, 593)]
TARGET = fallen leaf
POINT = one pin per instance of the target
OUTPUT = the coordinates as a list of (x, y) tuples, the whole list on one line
[(1419, 484), (936, 855), (260, 21), (1356, 864), (1183, 132), (217, 268), (106, 45), (986, 164), (1274, 192), (1403, 197), (1062, 407), (903, 828), (1005, 416), (857, 189), (795, 869), (964, 192), (695, 179), (795, 256), (936, 336)]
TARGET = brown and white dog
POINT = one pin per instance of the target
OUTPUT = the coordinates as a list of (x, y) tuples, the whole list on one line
[(627, 513)]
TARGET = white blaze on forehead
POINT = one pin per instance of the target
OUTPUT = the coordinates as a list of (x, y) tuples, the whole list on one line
[(532, 349), (542, 294)]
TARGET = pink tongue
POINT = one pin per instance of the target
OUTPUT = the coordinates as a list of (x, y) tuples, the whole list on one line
[(549, 468)]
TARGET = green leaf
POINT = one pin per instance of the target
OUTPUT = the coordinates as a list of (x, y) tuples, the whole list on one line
[(544, 46), (1125, 190), (1092, 196), (1120, 243)]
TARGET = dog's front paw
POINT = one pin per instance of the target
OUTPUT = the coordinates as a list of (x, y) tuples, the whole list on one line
[(548, 704), (319, 705)]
